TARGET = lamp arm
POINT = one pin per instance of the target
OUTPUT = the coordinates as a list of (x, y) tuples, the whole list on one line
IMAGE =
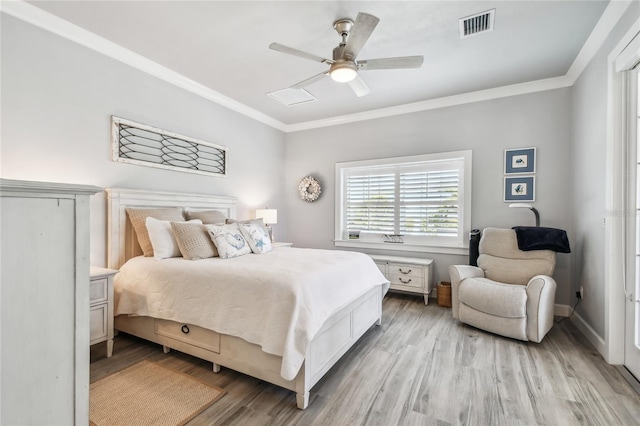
[(535, 211), (530, 207)]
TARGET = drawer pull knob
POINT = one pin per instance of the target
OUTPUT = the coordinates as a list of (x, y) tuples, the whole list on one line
[(185, 329), (404, 272), (405, 282)]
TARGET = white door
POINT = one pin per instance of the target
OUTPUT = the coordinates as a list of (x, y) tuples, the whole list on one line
[(632, 287)]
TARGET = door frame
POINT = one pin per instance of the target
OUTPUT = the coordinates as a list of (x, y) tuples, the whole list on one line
[(631, 352), (614, 337)]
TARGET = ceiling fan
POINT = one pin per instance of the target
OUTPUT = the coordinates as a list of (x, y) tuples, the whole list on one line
[(344, 67)]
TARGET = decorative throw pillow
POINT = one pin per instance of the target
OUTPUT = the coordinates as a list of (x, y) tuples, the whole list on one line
[(258, 222), (229, 240), (139, 216), (162, 239), (193, 240), (258, 239), (206, 216)]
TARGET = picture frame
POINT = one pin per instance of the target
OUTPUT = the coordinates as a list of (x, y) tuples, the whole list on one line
[(521, 188), (519, 161)]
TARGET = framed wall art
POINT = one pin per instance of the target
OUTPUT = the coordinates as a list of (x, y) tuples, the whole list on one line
[(519, 189), (519, 161), (143, 145)]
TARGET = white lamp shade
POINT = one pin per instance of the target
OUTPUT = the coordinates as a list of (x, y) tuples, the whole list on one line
[(269, 216)]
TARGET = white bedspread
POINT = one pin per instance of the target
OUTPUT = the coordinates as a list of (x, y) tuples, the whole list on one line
[(277, 300)]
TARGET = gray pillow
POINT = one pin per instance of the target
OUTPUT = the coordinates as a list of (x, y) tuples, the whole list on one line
[(206, 216), (258, 222)]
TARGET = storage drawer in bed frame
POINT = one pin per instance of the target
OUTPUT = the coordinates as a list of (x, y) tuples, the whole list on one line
[(189, 333)]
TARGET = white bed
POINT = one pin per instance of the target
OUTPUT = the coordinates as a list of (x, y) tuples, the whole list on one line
[(331, 329)]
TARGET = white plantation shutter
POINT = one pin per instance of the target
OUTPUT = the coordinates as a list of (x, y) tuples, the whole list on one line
[(419, 198), (429, 203), (371, 202)]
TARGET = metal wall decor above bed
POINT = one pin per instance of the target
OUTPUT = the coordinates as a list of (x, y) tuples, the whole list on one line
[(137, 143)]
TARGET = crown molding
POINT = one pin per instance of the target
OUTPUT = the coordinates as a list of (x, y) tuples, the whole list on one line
[(47, 21), (610, 17), (42, 19), (465, 98)]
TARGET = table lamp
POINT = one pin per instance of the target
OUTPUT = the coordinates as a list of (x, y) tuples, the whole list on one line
[(269, 217)]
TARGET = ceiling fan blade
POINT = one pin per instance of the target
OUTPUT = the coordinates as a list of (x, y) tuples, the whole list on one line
[(359, 87), (362, 29), (295, 52), (391, 63), (309, 80)]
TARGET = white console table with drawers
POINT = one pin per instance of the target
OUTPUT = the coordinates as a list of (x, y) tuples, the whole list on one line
[(407, 274)]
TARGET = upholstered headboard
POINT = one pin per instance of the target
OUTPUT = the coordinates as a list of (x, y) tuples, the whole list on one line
[(122, 243)]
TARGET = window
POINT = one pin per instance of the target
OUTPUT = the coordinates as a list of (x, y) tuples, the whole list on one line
[(417, 203)]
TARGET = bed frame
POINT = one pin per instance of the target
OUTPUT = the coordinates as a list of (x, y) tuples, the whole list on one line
[(335, 338)]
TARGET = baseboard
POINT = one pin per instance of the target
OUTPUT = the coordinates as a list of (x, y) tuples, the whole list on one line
[(561, 310), (590, 334), (635, 384)]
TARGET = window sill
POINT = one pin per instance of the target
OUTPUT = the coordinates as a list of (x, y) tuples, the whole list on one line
[(401, 247)]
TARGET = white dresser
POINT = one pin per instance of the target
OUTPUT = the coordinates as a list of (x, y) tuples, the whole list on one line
[(101, 306), (44, 312), (407, 274)]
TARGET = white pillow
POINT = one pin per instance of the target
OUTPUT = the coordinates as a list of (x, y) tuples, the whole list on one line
[(257, 237), (138, 220), (228, 240), (162, 239)]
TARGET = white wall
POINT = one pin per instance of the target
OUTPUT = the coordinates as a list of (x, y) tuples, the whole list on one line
[(540, 120), (57, 99), (588, 150)]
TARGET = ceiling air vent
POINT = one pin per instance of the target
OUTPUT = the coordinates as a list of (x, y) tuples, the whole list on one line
[(291, 97), (476, 24)]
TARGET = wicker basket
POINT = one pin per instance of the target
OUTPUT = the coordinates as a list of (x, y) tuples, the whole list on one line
[(444, 294)]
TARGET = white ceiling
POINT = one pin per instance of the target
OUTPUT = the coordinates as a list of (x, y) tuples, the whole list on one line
[(223, 45)]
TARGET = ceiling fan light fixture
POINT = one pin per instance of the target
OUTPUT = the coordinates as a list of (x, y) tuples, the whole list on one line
[(343, 71), (344, 65)]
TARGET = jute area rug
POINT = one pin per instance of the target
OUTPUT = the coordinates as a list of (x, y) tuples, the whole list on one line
[(149, 394)]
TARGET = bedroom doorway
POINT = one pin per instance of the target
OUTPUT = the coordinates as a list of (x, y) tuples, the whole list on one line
[(632, 279), (622, 214)]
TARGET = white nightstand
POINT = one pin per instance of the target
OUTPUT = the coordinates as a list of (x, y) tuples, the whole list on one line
[(281, 244), (101, 306)]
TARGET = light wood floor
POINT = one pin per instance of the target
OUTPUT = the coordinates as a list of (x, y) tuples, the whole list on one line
[(420, 367)]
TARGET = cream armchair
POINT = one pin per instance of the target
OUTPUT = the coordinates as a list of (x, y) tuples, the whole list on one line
[(510, 292)]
